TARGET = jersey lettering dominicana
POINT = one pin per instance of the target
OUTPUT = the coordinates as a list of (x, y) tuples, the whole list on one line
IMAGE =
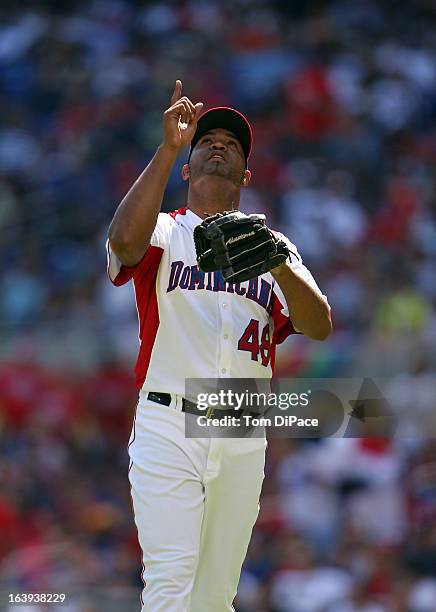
[(195, 325)]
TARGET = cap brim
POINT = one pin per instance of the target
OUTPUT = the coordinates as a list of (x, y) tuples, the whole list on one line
[(226, 118)]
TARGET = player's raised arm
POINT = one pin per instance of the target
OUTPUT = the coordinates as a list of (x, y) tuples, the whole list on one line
[(135, 218)]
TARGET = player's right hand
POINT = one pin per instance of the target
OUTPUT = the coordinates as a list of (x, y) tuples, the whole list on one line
[(180, 119)]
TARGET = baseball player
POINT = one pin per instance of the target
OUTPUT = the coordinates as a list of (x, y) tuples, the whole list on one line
[(196, 500)]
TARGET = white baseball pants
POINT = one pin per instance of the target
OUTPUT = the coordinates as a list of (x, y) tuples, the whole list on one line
[(195, 502)]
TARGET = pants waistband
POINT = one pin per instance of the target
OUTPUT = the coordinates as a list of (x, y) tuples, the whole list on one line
[(187, 406), (165, 399)]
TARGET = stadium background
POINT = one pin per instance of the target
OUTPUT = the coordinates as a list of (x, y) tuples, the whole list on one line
[(342, 97)]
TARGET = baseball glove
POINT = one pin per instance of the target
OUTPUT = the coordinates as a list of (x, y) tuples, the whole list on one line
[(239, 245)]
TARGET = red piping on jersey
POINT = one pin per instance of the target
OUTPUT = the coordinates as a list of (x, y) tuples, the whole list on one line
[(282, 328), (179, 211), (148, 311), (144, 275)]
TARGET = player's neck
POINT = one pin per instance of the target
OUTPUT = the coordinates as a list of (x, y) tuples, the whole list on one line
[(213, 197)]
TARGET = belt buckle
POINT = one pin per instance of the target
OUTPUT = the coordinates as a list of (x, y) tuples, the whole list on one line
[(210, 411)]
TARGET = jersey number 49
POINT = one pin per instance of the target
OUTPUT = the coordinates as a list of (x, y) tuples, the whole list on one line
[(249, 341)]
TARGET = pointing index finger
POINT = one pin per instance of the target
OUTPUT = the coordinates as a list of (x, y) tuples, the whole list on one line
[(177, 93)]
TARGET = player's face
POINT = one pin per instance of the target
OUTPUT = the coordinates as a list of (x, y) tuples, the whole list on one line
[(218, 153)]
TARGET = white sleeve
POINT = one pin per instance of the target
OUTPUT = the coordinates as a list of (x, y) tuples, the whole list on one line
[(161, 235), (160, 239)]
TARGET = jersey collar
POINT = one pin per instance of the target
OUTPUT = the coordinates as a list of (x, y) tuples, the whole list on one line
[(190, 219)]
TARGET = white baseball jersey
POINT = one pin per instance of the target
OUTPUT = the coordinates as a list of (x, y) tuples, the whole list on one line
[(195, 325)]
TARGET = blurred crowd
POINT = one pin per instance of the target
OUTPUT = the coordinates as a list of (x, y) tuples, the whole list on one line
[(342, 99)]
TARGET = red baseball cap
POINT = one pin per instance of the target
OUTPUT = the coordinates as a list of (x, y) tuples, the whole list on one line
[(229, 119)]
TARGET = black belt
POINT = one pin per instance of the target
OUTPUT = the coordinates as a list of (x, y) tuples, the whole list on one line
[(187, 406)]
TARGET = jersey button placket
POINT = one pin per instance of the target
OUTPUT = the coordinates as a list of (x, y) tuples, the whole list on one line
[(225, 345)]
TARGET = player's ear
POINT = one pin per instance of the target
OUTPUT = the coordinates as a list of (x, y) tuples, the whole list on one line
[(185, 172), (246, 178)]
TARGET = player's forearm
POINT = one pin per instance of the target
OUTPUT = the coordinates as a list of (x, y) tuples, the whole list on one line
[(309, 312), (136, 216)]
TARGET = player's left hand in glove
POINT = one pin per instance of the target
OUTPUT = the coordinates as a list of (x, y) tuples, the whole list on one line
[(240, 246)]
